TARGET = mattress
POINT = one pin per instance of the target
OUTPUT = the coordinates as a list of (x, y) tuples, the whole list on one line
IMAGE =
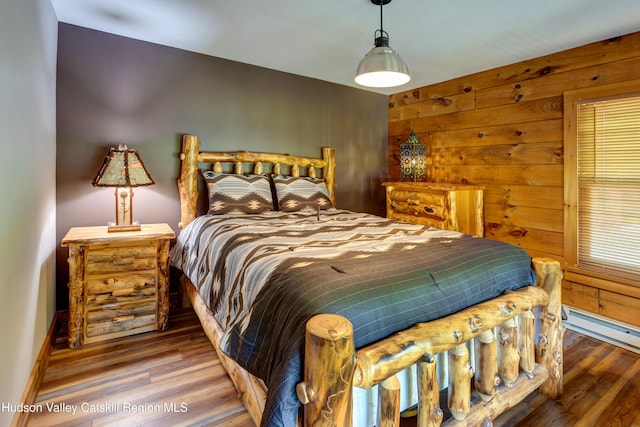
[(264, 276)]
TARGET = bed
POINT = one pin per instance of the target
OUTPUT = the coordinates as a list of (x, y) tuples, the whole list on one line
[(296, 358)]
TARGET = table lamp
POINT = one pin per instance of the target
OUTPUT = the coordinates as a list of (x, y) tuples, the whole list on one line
[(123, 169)]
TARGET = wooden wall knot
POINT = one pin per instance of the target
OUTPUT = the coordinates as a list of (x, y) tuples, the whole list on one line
[(518, 232), (545, 71)]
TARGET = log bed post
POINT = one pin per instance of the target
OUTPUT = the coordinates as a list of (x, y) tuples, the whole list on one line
[(329, 364), (549, 346), (188, 182), (329, 172)]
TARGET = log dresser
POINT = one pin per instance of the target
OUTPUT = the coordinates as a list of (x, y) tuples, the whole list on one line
[(118, 282), (457, 207)]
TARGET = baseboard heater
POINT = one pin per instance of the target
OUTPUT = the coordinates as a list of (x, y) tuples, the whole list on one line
[(602, 328)]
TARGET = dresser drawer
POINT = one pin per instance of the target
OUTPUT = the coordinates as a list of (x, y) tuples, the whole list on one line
[(429, 205)]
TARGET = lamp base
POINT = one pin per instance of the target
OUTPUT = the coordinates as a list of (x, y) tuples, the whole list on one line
[(134, 226)]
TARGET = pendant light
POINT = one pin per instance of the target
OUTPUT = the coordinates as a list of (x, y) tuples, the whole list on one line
[(382, 66)]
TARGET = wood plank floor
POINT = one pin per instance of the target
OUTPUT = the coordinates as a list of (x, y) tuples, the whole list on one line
[(173, 378), (170, 378)]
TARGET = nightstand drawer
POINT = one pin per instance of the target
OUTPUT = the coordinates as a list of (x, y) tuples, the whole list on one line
[(135, 317), (431, 205), (123, 302), (102, 291), (103, 259)]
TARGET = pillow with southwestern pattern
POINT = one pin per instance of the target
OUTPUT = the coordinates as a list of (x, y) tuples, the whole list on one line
[(238, 194), (299, 193)]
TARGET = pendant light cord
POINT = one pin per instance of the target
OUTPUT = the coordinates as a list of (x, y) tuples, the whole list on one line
[(381, 30)]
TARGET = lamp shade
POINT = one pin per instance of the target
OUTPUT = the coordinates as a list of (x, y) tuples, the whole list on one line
[(382, 67), (122, 168)]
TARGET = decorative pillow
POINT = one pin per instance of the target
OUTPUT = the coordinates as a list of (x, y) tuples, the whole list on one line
[(238, 194), (299, 193)]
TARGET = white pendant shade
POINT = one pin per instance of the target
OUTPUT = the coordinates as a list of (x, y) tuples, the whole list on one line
[(382, 67)]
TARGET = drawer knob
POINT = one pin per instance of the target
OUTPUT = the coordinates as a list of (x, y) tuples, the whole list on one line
[(428, 209)]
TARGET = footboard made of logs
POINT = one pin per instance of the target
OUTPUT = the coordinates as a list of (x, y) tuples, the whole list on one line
[(512, 358)]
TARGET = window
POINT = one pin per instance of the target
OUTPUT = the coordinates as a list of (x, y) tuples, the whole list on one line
[(602, 180)]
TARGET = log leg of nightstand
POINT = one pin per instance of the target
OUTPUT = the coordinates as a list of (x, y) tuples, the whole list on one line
[(76, 295), (163, 285)]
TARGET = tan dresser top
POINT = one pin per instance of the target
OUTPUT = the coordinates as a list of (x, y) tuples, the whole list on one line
[(433, 185)]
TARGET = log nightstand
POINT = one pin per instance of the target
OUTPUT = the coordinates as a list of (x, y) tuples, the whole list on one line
[(118, 282)]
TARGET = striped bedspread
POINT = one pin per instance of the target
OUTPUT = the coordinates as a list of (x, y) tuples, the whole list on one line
[(264, 276)]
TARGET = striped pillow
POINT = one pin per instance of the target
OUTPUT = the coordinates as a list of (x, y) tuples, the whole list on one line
[(299, 193), (238, 194)]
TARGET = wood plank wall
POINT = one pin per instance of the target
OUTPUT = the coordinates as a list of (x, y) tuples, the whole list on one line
[(503, 128)]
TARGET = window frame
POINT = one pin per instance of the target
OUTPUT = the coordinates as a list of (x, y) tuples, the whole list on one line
[(571, 101)]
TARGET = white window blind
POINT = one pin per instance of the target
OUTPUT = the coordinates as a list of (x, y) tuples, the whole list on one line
[(609, 186)]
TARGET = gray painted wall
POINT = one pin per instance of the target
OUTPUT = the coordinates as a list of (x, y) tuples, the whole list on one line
[(113, 89), (28, 33)]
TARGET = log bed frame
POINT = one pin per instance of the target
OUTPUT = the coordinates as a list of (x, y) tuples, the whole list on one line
[(516, 352)]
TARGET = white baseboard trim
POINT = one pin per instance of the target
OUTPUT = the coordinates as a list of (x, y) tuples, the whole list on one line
[(602, 328)]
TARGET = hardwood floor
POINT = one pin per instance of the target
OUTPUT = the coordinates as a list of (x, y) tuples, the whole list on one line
[(601, 388), (173, 378), (170, 378)]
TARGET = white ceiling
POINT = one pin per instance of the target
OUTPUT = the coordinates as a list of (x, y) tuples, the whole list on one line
[(439, 39)]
